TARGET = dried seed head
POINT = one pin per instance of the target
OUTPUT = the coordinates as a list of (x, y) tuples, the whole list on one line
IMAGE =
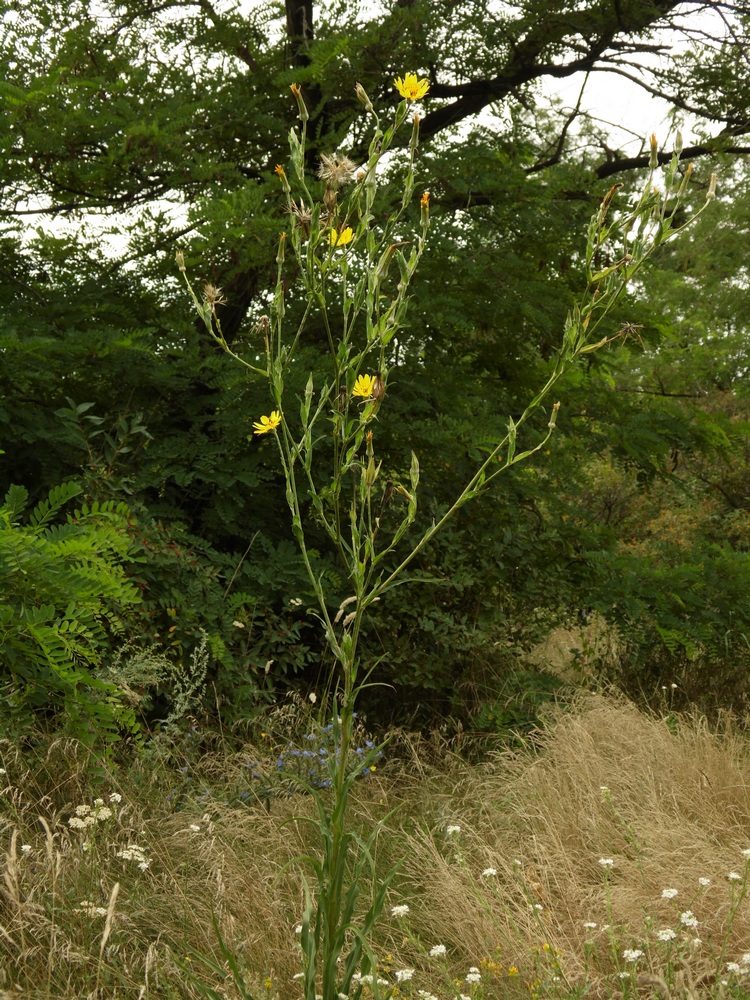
[(336, 170), (213, 296)]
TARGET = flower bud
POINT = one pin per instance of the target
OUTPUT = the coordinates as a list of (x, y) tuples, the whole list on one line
[(711, 193), (678, 142), (363, 98), (424, 204), (653, 160), (180, 258), (304, 114)]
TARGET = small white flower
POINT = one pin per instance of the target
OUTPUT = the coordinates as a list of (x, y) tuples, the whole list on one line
[(733, 967), (666, 934), (489, 872), (115, 797), (437, 950), (2, 770), (696, 943), (103, 812), (91, 909), (734, 877), (606, 862), (195, 828), (400, 911), (452, 830), (746, 852), (688, 919), (144, 865), (98, 802), (404, 975), (705, 882), (298, 928), (25, 848), (473, 977), (83, 810), (623, 975), (746, 958), (425, 995), (632, 954), (536, 906), (669, 893), (589, 925), (76, 823), (298, 975)]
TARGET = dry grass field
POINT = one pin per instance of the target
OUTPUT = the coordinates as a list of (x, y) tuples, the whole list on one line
[(609, 858)]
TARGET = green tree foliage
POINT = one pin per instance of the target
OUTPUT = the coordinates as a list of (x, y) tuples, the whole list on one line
[(129, 131), (63, 592)]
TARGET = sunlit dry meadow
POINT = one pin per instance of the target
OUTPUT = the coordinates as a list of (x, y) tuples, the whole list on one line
[(608, 856)]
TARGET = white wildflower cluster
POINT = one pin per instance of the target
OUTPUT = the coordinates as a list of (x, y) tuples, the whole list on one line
[(734, 877), (473, 975), (425, 995), (437, 951), (669, 893), (704, 882), (25, 848), (632, 954), (453, 830), (666, 934), (404, 975), (489, 872), (399, 911), (87, 816), (606, 862), (135, 853), (741, 968), (590, 925), (91, 909), (688, 919)]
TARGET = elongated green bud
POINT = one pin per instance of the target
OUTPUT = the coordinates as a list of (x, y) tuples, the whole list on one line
[(304, 114)]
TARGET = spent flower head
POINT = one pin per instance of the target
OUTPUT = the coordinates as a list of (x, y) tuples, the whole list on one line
[(336, 170)]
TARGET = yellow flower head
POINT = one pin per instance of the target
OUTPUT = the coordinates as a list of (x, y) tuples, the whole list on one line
[(340, 238), (363, 386), (266, 424), (278, 169), (412, 88), (425, 200)]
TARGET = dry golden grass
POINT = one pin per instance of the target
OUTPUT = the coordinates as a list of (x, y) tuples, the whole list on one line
[(668, 803)]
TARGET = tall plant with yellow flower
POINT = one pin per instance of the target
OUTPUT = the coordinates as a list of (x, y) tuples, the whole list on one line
[(343, 254)]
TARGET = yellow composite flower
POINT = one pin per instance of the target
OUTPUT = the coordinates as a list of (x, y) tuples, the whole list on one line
[(266, 424), (412, 88), (340, 238), (363, 386)]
